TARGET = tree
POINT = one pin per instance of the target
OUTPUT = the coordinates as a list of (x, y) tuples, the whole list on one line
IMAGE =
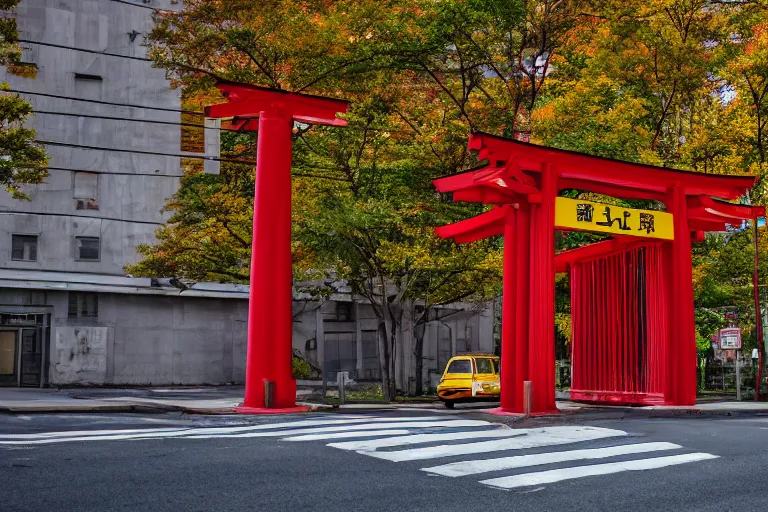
[(364, 206), (22, 161)]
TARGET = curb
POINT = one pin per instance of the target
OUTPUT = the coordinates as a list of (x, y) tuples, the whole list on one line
[(135, 408)]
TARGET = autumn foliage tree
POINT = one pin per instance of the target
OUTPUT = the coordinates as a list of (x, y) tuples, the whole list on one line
[(22, 160), (679, 83)]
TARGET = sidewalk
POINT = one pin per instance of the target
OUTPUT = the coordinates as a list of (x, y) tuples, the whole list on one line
[(192, 400), (223, 400)]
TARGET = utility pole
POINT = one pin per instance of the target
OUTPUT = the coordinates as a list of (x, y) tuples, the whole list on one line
[(758, 315)]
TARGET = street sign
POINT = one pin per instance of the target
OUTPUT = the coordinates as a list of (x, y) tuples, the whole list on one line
[(609, 218), (730, 338)]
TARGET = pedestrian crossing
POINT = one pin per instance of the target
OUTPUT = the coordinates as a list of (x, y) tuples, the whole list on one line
[(446, 446)]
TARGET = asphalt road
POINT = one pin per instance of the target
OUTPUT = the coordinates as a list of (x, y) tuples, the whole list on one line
[(176, 463)]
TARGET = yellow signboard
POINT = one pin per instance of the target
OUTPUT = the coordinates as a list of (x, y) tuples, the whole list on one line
[(608, 218)]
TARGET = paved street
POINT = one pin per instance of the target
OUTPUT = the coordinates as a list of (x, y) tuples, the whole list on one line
[(379, 461)]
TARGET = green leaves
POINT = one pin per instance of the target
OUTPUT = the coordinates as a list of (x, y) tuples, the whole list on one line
[(22, 161)]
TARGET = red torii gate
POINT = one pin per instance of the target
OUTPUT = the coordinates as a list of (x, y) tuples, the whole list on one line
[(269, 383), (622, 350)]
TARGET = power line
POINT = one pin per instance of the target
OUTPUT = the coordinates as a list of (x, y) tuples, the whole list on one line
[(51, 214), (134, 4), (110, 103), (119, 173), (157, 175), (84, 50), (140, 152), (153, 121)]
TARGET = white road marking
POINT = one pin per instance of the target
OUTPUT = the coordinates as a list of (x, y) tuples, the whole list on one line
[(425, 438), (558, 475), (533, 439), (267, 430), (473, 467), (84, 433), (346, 428), (262, 426), (347, 435)]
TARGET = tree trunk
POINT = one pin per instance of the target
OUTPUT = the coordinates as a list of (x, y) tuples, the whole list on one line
[(419, 328), (387, 377), (418, 353)]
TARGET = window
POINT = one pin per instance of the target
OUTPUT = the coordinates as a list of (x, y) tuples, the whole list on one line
[(342, 312), (85, 190), (483, 365), (88, 86), (83, 305), (24, 247), (460, 366), (87, 248)]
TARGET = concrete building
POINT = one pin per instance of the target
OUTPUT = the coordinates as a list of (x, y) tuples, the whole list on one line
[(113, 129)]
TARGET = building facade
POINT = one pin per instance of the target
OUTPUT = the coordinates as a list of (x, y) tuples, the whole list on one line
[(119, 143)]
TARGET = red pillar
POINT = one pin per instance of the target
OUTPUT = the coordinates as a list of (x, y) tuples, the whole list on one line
[(270, 322), (681, 345), (514, 322), (269, 309), (510, 391), (541, 345)]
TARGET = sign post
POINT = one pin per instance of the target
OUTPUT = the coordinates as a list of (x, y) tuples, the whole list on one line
[(730, 339)]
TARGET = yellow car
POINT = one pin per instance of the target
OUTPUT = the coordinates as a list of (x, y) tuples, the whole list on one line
[(470, 377)]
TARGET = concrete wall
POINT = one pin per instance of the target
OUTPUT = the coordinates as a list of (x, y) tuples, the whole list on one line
[(102, 39), (150, 340)]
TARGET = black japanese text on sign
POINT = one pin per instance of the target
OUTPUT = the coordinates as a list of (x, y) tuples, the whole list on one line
[(608, 218)]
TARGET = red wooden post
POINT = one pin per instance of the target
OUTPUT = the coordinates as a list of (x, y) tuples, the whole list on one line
[(522, 294), (269, 309), (681, 345), (541, 344), (511, 393), (270, 324)]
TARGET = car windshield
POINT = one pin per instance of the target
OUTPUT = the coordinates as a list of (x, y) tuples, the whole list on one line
[(483, 365), (460, 366)]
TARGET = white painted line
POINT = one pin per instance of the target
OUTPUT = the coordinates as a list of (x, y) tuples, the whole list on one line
[(346, 428), (533, 439), (426, 438), (84, 433), (347, 435), (212, 430), (473, 467), (267, 430), (557, 475)]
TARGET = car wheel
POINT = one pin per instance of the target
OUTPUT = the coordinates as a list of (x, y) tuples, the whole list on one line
[(449, 404)]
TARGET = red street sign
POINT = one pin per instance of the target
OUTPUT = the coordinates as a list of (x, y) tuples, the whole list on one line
[(730, 338)]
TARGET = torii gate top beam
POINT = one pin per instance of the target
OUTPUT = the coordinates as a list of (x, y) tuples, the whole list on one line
[(246, 102), (613, 177), (509, 180)]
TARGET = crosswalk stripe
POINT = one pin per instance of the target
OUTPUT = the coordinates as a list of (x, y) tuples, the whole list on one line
[(347, 435), (424, 438), (558, 475), (214, 430), (473, 467), (255, 431), (544, 437), (344, 428), (85, 433)]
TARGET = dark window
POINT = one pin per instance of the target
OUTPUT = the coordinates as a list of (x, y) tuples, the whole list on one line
[(88, 85), (87, 248), (83, 304), (483, 365), (460, 366), (342, 312), (88, 76), (24, 247)]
